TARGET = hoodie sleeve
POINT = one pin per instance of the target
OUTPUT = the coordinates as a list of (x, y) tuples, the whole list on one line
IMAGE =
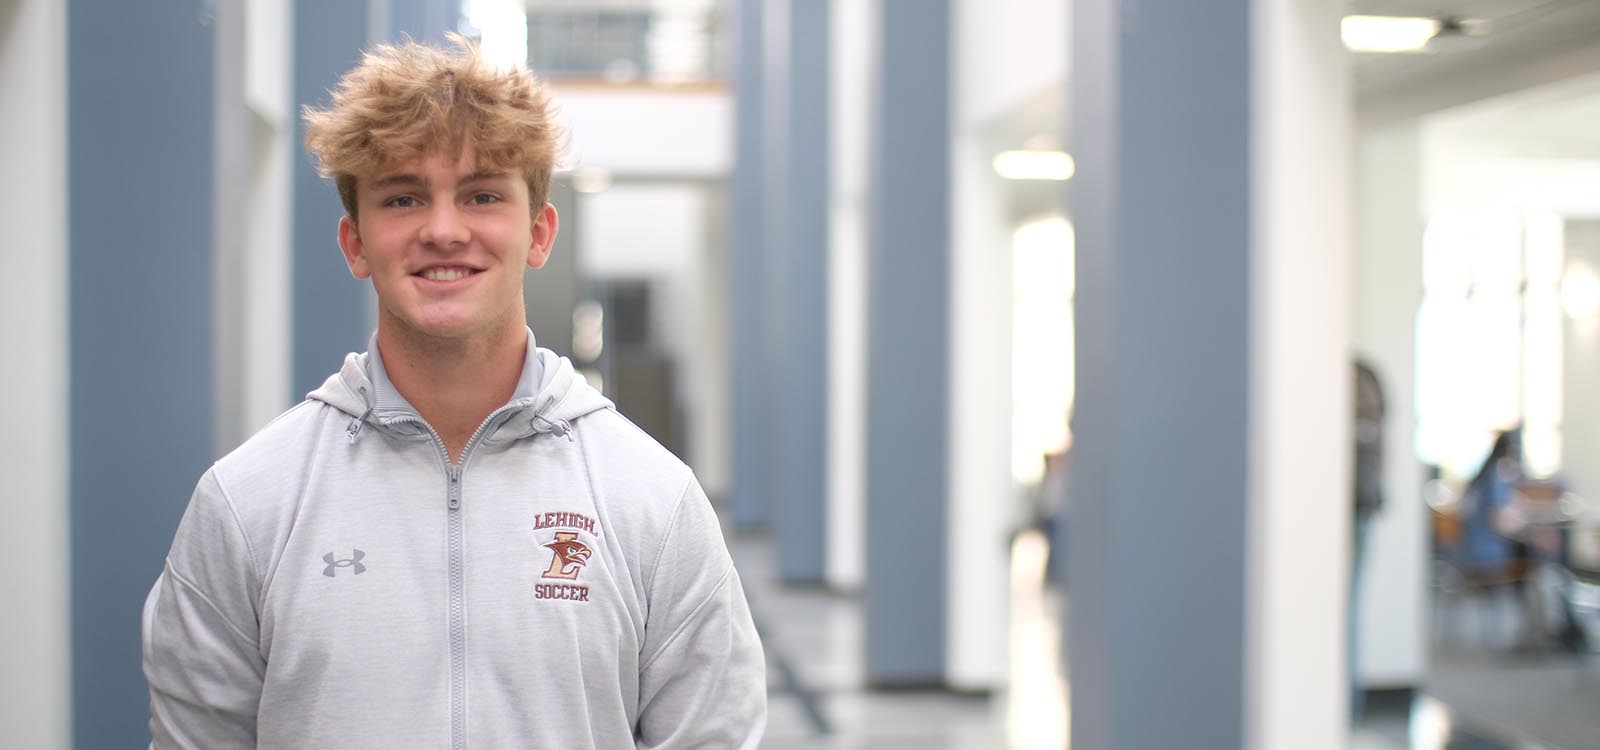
[(202, 655), (702, 679)]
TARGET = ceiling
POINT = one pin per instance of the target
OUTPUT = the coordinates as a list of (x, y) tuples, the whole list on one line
[(1491, 18), (1557, 121), (1529, 77), (1515, 45), (1525, 84)]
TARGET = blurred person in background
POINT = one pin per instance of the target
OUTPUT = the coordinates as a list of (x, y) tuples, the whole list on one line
[(455, 540), (1483, 551), (1368, 486)]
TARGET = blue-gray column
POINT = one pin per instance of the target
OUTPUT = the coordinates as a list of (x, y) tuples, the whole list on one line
[(751, 500), (423, 20), (332, 314), (551, 292), (330, 306), (1161, 203), (802, 396), (140, 96), (908, 326)]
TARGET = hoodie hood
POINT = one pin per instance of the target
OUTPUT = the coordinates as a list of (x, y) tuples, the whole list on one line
[(549, 396)]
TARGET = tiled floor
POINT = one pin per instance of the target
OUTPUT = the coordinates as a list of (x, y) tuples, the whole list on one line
[(813, 639)]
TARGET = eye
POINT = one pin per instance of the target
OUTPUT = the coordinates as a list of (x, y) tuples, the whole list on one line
[(484, 199), (401, 201)]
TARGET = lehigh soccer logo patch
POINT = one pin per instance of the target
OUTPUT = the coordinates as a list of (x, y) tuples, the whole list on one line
[(568, 556), (571, 555)]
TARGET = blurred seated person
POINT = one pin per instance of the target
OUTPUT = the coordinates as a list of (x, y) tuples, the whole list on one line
[(1507, 523), (1482, 553)]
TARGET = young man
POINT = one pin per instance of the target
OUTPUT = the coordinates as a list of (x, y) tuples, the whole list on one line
[(454, 542)]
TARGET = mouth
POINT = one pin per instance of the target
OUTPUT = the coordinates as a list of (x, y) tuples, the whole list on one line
[(446, 273)]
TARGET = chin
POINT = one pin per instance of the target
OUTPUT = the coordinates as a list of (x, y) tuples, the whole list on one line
[(449, 331), (433, 327), (452, 328)]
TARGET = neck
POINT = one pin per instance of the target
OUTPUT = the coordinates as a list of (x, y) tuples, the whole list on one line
[(454, 383)]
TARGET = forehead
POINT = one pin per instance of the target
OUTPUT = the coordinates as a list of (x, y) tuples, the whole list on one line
[(436, 170), (437, 163)]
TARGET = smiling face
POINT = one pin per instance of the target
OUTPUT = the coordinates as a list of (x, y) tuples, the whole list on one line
[(444, 242)]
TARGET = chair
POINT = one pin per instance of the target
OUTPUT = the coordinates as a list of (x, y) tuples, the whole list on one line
[(1473, 562)]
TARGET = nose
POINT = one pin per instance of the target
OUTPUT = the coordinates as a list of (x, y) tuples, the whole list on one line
[(444, 227)]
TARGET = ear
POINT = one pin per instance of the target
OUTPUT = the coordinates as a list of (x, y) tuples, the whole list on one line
[(354, 252), (542, 236)]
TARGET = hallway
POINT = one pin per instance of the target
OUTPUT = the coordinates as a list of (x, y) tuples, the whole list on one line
[(818, 700)]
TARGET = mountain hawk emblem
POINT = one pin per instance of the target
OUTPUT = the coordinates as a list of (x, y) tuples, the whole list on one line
[(570, 556)]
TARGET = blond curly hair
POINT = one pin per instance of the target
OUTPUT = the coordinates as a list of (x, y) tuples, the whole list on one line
[(409, 100)]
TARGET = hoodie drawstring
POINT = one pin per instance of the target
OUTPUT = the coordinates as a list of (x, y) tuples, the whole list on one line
[(560, 427)]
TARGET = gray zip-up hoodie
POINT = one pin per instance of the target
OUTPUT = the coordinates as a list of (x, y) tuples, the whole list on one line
[(337, 582)]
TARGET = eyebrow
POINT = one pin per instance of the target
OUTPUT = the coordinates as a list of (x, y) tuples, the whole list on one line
[(406, 179), (484, 174)]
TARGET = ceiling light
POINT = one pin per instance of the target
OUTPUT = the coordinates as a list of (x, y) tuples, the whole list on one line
[(1034, 165), (1388, 33)]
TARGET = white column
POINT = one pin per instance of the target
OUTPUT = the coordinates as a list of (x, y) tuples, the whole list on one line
[(255, 127), (35, 697), (1004, 54), (1300, 397), (273, 149), (1580, 349), (853, 29), (1387, 292)]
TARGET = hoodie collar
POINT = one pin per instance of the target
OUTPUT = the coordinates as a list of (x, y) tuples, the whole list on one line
[(389, 405), (548, 397)]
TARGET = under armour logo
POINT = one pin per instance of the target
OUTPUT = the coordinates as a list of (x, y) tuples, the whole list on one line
[(353, 561)]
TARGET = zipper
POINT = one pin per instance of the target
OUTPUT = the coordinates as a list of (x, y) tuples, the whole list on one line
[(457, 569), (458, 614)]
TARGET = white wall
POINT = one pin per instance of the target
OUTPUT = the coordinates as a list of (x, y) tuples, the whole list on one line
[(1392, 627), (1015, 49), (1004, 53), (712, 392), (1463, 178), (1298, 559), (642, 131), (1580, 368), (660, 231), (657, 232), (35, 697)]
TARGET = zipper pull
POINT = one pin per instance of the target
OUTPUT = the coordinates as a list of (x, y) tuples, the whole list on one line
[(455, 487)]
